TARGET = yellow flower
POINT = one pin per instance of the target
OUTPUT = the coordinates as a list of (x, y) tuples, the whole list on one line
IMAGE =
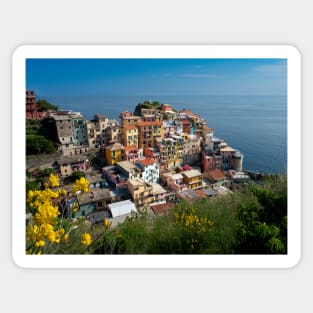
[(64, 238), (62, 192), (54, 180), (106, 223), (81, 184), (40, 243), (75, 207), (86, 239)]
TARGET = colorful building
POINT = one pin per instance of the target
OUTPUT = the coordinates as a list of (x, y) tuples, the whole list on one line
[(141, 192), (148, 132), (32, 107), (152, 153), (127, 118), (175, 182), (193, 179), (130, 135), (80, 131), (113, 134), (171, 151), (132, 153), (114, 153), (128, 169), (149, 170), (96, 135)]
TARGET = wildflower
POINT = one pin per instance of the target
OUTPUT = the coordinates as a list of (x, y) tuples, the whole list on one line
[(62, 192), (64, 238), (106, 223), (75, 207), (54, 180), (81, 184), (40, 243), (86, 239)]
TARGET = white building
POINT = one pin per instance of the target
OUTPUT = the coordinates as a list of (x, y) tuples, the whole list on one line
[(149, 170)]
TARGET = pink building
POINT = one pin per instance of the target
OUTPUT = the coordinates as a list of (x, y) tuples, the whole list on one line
[(132, 153), (176, 183), (210, 162), (32, 107)]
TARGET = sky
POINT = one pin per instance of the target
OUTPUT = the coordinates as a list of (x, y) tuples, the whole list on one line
[(175, 77)]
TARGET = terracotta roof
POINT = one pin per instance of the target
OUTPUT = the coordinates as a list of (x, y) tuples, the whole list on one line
[(140, 124), (127, 148), (147, 161), (208, 129), (129, 127), (162, 207), (216, 174), (200, 193), (188, 112)]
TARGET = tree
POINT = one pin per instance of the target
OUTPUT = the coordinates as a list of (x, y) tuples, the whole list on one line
[(76, 175), (44, 105)]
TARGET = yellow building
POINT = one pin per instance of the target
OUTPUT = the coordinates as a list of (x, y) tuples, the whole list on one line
[(114, 153), (193, 179), (141, 192), (130, 135)]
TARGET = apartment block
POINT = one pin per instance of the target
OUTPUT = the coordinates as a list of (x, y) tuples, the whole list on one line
[(149, 170), (130, 135), (148, 132)]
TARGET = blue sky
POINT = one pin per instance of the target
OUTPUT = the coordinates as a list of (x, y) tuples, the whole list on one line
[(135, 77)]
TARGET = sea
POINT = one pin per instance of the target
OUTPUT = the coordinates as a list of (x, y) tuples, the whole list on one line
[(254, 125)]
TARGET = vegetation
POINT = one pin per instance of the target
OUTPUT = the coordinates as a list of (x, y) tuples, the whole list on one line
[(147, 104), (37, 144), (44, 105), (76, 175), (36, 141), (250, 221)]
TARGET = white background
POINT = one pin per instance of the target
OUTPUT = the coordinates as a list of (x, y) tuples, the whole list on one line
[(190, 22)]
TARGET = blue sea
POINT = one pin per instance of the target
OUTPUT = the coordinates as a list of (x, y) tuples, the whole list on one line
[(255, 125)]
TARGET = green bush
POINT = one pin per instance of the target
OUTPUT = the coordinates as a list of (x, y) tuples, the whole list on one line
[(37, 144)]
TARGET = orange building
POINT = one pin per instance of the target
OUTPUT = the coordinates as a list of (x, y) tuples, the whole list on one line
[(148, 131)]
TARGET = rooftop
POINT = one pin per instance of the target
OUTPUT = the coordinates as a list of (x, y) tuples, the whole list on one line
[(129, 127), (149, 124), (176, 176), (122, 208), (94, 178), (136, 182), (145, 162), (132, 147), (192, 173), (95, 194), (115, 146), (162, 207), (216, 174), (227, 149), (71, 159), (126, 165), (157, 189)]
